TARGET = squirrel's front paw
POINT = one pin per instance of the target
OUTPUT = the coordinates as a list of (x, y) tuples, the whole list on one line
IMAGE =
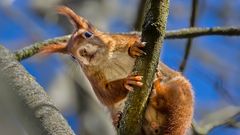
[(116, 118), (155, 129), (133, 80), (135, 49)]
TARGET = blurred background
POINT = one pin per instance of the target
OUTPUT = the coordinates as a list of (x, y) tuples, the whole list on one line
[(213, 67)]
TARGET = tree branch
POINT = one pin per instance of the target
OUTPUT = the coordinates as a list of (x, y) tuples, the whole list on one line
[(33, 49), (39, 107), (198, 31), (189, 41), (224, 117), (171, 34), (197, 130), (153, 33)]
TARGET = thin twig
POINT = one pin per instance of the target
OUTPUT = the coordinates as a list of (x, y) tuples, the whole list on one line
[(189, 41), (227, 122), (198, 32), (171, 34), (208, 127), (197, 130), (226, 116), (33, 49)]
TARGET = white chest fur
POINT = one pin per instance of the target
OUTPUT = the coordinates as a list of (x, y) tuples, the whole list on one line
[(118, 66)]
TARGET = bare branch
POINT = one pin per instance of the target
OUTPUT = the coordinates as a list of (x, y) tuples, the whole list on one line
[(153, 33), (34, 48), (223, 117), (189, 41), (171, 34), (197, 130), (198, 31), (38, 106)]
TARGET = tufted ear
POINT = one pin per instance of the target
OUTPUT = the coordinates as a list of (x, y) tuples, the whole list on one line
[(78, 21)]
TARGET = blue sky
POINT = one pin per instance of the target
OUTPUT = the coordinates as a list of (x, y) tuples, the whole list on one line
[(213, 67)]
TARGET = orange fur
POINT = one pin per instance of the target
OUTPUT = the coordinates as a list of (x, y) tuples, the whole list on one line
[(78, 21), (108, 59), (171, 104)]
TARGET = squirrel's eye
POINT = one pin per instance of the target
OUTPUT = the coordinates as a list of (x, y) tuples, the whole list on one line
[(88, 34)]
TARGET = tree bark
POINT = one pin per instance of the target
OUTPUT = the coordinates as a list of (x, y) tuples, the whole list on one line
[(153, 33), (39, 108)]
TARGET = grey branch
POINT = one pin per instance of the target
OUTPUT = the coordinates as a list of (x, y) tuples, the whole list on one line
[(226, 116), (171, 34), (153, 33), (34, 48), (198, 31), (39, 107)]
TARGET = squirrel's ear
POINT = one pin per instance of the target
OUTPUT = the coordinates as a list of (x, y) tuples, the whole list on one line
[(78, 21)]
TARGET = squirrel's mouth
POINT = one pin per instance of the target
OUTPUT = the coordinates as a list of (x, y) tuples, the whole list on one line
[(92, 56)]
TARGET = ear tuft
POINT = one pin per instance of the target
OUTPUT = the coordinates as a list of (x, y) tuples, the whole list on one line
[(76, 20)]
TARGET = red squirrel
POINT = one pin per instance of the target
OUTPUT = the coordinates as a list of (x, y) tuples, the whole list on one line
[(108, 59)]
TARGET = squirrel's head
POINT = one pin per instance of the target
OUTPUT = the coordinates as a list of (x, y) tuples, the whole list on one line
[(87, 44)]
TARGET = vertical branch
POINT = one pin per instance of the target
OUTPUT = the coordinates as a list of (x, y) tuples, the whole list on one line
[(153, 33), (39, 107), (189, 41)]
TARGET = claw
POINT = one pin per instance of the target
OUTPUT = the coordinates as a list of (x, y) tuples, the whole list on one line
[(159, 76), (133, 80), (128, 87), (116, 118), (135, 50), (144, 43), (134, 73)]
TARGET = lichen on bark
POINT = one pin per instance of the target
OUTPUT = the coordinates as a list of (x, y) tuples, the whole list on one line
[(39, 109), (153, 33)]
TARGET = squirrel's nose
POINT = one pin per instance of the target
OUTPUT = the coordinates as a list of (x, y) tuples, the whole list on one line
[(156, 131), (83, 52)]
